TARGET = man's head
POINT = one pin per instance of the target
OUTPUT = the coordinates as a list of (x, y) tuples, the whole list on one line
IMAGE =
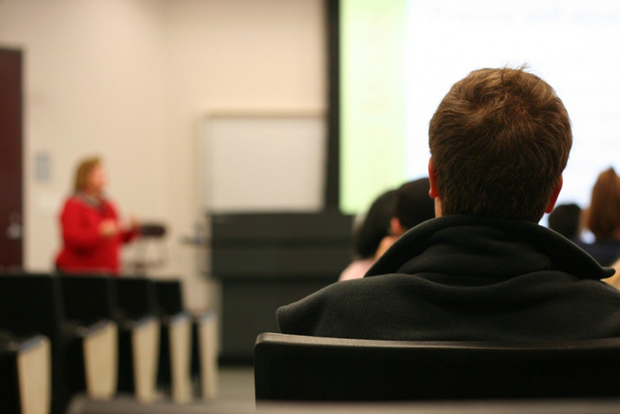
[(499, 142), (413, 206)]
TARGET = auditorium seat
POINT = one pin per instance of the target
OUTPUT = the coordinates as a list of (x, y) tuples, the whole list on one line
[(140, 340), (176, 340), (90, 300), (33, 304), (95, 357), (300, 368), (25, 374), (205, 352)]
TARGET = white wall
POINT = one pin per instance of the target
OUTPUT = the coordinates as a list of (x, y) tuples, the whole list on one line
[(130, 79), (93, 84)]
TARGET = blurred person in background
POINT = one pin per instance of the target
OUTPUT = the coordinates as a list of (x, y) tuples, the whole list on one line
[(602, 218), (91, 232), (566, 220), (369, 234), (391, 216), (413, 206)]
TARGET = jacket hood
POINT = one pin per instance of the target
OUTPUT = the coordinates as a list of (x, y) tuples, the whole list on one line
[(485, 247)]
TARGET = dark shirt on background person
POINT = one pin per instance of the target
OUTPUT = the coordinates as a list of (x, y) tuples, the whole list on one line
[(605, 252), (566, 220)]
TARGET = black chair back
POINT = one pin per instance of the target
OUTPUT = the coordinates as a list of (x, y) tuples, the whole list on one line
[(33, 304), (90, 298), (136, 297), (169, 296), (300, 368), (9, 387)]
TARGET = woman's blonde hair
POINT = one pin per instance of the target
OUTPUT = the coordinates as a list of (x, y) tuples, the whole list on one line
[(603, 218), (83, 171)]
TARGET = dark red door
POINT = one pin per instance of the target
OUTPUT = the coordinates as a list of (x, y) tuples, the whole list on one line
[(10, 158)]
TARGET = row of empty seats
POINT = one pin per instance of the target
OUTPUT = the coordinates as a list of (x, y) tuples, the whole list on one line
[(69, 334)]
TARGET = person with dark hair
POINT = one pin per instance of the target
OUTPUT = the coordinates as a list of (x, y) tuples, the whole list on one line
[(602, 218), (413, 206), (566, 220), (368, 236), (390, 216), (484, 269)]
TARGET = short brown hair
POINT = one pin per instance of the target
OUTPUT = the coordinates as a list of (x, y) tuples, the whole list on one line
[(83, 171), (499, 141), (603, 218)]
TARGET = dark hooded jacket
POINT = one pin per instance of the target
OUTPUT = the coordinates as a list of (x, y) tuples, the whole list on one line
[(467, 278)]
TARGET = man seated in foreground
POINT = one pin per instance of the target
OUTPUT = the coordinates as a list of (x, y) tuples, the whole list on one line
[(483, 269)]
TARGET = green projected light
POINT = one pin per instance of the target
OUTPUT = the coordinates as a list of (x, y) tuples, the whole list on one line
[(372, 81)]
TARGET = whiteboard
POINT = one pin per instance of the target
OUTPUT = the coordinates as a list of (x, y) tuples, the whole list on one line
[(263, 163)]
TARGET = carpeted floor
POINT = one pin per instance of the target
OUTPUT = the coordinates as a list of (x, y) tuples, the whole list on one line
[(236, 384)]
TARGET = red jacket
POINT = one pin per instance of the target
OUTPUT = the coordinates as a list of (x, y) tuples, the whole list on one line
[(84, 249)]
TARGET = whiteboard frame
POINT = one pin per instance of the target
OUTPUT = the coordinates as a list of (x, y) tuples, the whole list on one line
[(204, 145)]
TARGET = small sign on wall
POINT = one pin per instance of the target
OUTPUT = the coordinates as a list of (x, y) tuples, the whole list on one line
[(43, 167)]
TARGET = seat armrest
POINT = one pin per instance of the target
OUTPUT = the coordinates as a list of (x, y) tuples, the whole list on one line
[(209, 342), (206, 314), (34, 373), (175, 318), (84, 331), (145, 344), (100, 350), (133, 324), (179, 328)]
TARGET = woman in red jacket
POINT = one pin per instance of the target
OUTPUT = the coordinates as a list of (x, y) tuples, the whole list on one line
[(91, 233)]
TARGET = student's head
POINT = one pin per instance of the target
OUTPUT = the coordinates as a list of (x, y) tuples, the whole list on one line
[(603, 218), (413, 206), (566, 220), (499, 142), (90, 176), (375, 227)]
